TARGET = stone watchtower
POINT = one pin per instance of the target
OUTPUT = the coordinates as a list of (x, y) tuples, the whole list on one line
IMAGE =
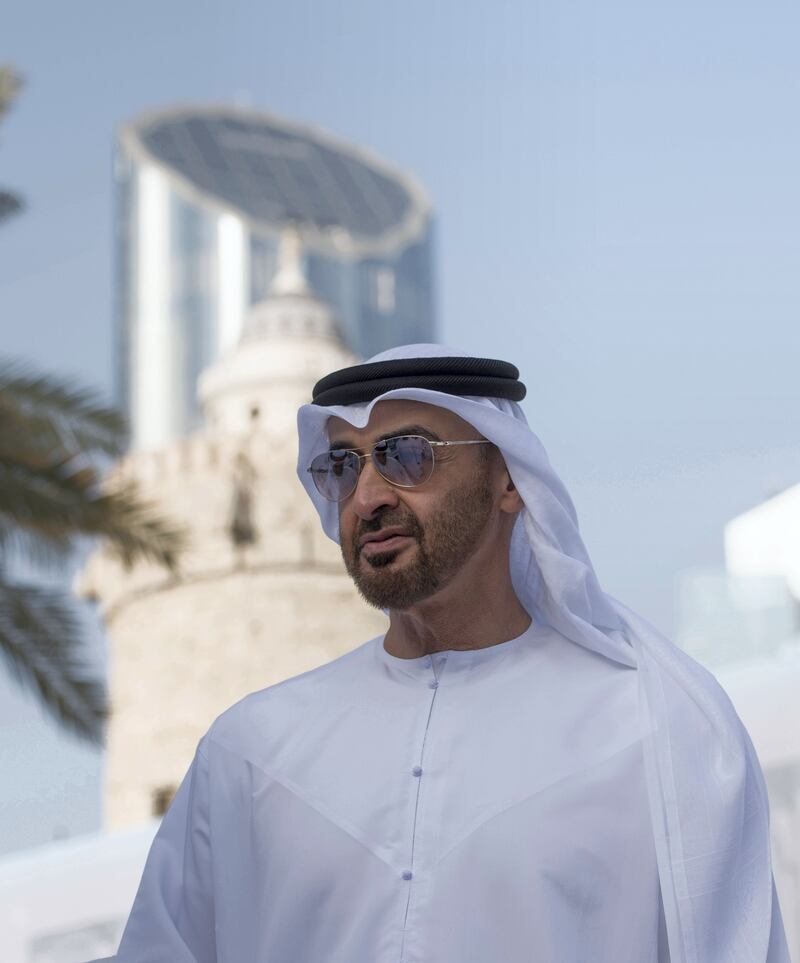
[(263, 594)]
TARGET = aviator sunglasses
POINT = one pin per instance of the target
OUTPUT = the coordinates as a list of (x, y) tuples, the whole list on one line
[(405, 461)]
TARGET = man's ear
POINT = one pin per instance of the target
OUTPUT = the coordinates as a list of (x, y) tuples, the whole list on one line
[(511, 500)]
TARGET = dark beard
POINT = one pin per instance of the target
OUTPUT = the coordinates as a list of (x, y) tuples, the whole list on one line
[(443, 546)]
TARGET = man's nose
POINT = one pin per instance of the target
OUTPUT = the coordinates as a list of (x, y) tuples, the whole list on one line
[(373, 493)]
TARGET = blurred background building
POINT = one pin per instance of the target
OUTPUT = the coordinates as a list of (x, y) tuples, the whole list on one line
[(253, 257), (263, 594), (744, 624), (203, 193)]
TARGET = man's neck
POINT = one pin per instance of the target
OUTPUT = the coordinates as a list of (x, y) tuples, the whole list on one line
[(456, 620)]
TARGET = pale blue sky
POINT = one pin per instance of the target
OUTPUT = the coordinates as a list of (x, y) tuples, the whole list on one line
[(618, 205)]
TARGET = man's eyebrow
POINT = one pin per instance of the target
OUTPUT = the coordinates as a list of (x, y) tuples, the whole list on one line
[(340, 443)]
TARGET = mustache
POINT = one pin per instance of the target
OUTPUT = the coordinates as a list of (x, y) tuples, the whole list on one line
[(408, 521)]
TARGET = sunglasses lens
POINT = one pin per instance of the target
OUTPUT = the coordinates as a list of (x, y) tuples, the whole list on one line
[(406, 460), (335, 474)]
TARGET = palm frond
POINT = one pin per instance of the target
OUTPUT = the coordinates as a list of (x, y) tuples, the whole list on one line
[(18, 544), (135, 529), (49, 412), (61, 501), (42, 501), (42, 641)]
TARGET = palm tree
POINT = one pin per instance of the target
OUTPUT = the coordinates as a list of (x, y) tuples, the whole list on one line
[(54, 439)]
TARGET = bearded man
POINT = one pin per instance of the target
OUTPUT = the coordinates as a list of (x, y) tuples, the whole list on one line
[(520, 769)]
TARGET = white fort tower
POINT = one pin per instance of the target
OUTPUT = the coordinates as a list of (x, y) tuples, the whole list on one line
[(262, 594)]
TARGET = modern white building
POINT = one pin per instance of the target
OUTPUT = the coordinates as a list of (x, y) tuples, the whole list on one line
[(723, 618), (744, 624), (766, 695), (202, 195), (765, 541), (68, 901)]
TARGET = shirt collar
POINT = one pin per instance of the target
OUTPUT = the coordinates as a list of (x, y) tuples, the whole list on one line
[(450, 665)]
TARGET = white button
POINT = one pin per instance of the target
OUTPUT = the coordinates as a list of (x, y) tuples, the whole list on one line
[(433, 685), (407, 874), (417, 771)]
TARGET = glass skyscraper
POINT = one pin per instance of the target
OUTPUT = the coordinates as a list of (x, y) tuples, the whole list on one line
[(202, 196)]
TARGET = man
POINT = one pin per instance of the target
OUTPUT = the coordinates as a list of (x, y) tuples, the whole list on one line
[(520, 769)]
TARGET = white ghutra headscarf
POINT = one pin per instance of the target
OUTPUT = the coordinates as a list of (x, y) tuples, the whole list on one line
[(708, 800)]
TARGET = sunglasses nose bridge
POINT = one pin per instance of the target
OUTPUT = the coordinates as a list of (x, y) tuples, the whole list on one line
[(369, 467), (372, 490)]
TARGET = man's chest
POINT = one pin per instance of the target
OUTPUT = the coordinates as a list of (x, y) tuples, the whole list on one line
[(440, 821), (424, 775)]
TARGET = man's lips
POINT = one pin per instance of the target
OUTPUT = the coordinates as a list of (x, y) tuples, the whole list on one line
[(387, 540)]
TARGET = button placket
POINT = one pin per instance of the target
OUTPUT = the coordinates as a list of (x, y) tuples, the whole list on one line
[(408, 874)]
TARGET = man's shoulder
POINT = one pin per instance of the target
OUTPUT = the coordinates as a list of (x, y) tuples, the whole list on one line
[(288, 708)]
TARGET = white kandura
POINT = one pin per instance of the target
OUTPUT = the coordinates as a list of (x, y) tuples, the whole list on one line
[(468, 807)]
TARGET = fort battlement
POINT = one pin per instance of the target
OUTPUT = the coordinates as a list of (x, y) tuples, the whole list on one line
[(203, 453), (200, 482)]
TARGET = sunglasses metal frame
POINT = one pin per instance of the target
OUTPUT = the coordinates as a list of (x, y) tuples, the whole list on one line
[(371, 452)]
